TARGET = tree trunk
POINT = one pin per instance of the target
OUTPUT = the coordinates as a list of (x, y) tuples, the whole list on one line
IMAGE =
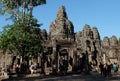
[(23, 11)]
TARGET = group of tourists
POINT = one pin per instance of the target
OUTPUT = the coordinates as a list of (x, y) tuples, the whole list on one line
[(18, 69), (107, 69), (5, 70), (104, 69)]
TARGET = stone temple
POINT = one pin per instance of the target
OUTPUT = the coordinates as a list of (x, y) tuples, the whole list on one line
[(62, 41), (83, 47)]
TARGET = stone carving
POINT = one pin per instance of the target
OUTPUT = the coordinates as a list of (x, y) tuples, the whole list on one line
[(95, 33), (113, 41), (106, 41), (111, 49), (89, 40), (78, 38), (61, 14), (110, 41), (112, 53), (61, 28), (44, 34), (87, 31)]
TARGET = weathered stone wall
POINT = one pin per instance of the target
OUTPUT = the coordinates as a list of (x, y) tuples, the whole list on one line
[(86, 40), (111, 49), (89, 40), (5, 59)]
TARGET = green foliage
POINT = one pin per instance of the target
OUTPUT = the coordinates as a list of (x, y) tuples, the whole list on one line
[(19, 8), (22, 39)]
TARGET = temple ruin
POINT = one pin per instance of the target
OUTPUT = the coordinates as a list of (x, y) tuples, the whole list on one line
[(76, 48)]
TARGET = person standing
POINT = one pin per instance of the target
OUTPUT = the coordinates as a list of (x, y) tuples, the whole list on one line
[(32, 68), (109, 68), (105, 67), (101, 68), (115, 68), (17, 69)]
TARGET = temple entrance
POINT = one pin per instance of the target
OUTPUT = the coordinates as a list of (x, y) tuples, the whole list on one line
[(63, 61), (59, 56)]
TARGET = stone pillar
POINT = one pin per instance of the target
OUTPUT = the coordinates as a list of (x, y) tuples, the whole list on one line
[(70, 56), (58, 62), (104, 58), (74, 60), (39, 60), (89, 57), (54, 54), (54, 64), (21, 59)]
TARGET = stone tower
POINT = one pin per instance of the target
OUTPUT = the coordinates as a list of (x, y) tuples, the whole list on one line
[(110, 50), (61, 28), (88, 40)]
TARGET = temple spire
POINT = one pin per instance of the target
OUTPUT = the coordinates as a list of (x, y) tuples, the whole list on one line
[(61, 14)]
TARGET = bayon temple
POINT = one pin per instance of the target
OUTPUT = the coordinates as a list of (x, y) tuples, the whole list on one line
[(76, 48)]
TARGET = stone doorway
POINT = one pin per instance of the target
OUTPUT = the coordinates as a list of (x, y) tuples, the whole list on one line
[(63, 61)]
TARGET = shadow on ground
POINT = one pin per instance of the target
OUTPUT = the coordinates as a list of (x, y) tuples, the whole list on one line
[(70, 77)]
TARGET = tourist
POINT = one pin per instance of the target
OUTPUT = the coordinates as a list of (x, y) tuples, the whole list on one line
[(61, 64), (115, 68), (8, 71), (17, 69), (105, 67), (109, 69), (3, 71), (32, 68), (64, 66), (101, 68)]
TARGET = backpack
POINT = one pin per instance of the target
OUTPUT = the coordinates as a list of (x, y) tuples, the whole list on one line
[(32, 66), (115, 67)]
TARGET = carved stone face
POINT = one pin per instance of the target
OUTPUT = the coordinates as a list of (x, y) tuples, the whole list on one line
[(106, 42), (113, 41), (95, 33), (112, 53), (61, 28)]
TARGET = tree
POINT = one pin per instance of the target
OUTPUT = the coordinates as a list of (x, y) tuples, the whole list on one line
[(22, 40), (23, 36), (18, 8)]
